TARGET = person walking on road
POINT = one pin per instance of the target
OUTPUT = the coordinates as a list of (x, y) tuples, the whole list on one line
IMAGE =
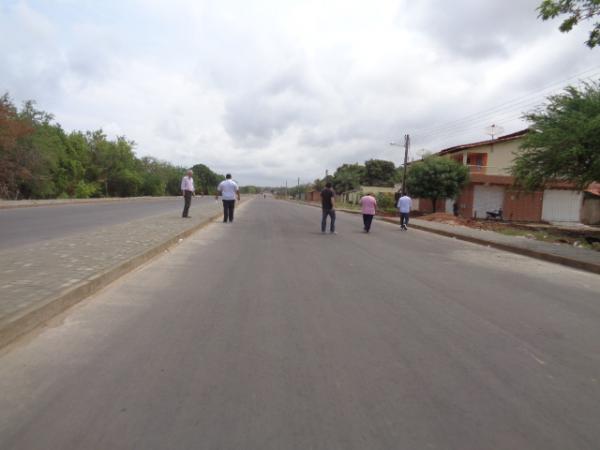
[(404, 205), (328, 205), (368, 206), (229, 191), (187, 189)]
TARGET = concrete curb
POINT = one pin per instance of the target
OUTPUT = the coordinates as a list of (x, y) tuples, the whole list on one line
[(569, 262), (19, 324), (576, 264), (6, 204)]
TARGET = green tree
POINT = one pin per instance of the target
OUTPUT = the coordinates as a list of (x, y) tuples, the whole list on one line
[(44, 148), (114, 164), (39, 160), (564, 141), (15, 166), (348, 177), (576, 10), (206, 180), (249, 189), (435, 178), (173, 186), (154, 176), (74, 164), (296, 191), (85, 190), (379, 173), (318, 184)]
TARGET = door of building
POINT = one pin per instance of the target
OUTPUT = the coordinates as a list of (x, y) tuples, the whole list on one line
[(561, 205), (487, 198)]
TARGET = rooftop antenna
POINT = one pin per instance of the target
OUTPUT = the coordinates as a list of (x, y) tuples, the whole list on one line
[(494, 130)]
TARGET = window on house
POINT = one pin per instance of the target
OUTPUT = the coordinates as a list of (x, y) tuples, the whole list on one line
[(477, 161)]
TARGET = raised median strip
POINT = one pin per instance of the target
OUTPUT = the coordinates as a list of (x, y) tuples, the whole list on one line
[(577, 258), (38, 282), (11, 204)]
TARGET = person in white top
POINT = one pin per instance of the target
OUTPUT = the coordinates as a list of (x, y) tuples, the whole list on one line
[(187, 190), (404, 205), (229, 191)]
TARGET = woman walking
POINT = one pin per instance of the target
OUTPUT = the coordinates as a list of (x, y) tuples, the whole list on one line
[(368, 205)]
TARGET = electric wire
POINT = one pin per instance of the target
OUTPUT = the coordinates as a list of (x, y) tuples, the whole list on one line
[(528, 101)]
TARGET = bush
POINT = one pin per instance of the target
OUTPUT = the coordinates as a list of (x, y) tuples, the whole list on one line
[(153, 186), (385, 201), (85, 190)]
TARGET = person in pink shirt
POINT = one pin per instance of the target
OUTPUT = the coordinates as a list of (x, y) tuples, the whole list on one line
[(368, 205)]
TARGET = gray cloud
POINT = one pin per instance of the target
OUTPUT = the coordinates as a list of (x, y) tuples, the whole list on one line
[(270, 90), (473, 29), (286, 100)]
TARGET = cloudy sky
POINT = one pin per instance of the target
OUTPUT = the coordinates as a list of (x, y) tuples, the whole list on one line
[(278, 89)]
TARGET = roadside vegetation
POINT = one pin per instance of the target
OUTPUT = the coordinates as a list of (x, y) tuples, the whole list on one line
[(38, 160), (436, 178), (564, 143), (348, 177), (576, 11)]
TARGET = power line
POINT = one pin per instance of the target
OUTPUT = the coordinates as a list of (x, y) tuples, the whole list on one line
[(492, 117), (461, 126), (484, 120), (498, 120), (525, 100), (441, 137)]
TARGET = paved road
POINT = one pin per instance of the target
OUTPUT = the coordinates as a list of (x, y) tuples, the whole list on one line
[(265, 334), (22, 226)]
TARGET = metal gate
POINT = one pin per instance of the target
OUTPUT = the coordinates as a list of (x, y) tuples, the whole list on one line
[(487, 198), (561, 205)]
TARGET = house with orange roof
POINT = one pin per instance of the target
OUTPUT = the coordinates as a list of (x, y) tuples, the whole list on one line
[(491, 188)]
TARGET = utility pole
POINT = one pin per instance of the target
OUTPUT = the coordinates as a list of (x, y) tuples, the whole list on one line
[(286, 191), (299, 189), (406, 145)]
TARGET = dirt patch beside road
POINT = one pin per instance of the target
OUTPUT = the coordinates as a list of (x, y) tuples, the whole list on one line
[(586, 237)]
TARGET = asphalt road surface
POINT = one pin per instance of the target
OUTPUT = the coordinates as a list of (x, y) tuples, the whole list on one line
[(265, 334), (23, 226)]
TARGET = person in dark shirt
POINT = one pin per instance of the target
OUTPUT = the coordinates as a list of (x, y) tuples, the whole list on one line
[(328, 204)]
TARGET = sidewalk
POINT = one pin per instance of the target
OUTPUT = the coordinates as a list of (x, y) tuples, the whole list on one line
[(40, 281), (578, 258)]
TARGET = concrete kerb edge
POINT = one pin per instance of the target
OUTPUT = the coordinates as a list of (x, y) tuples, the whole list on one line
[(581, 265), (15, 326), (82, 201)]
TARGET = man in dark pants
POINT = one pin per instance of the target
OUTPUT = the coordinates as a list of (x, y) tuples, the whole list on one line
[(404, 206), (328, 204), (229, 191), (187, 189)]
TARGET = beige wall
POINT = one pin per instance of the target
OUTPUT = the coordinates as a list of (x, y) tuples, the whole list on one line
[(354, 196), (500, 155), (377, 189)]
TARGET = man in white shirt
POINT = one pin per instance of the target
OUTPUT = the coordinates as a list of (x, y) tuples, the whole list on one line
[(229, 192), (404, 205), (187, 190)]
